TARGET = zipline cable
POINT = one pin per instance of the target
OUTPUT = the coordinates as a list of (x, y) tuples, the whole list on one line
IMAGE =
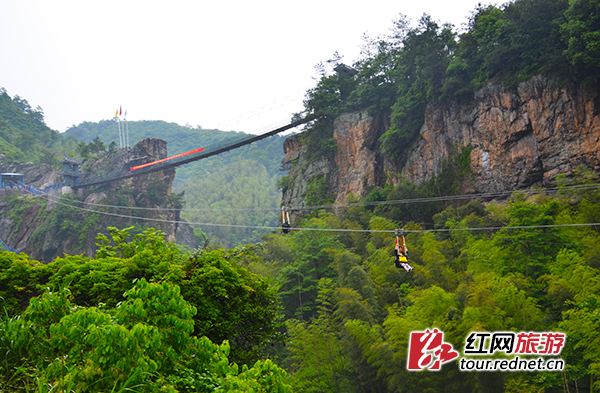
[(262, 110), (450, 197), (359, 204), (209, 224), (328, 229), (251, 115)]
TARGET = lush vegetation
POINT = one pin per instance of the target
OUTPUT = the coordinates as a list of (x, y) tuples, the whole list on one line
[(349, 310), (68, 225), (399, 75), (326, 305), (141, 316), (25, 137)]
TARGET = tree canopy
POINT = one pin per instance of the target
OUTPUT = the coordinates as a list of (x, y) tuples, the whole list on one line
[(349, 311), (25, 136), (142, 315)]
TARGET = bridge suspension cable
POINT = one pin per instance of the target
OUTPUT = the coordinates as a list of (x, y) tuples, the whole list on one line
[(266, 227), (581, 187)]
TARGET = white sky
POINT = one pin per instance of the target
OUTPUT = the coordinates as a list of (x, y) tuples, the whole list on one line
[(231, 65)]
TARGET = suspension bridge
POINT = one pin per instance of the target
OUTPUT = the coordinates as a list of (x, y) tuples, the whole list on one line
[(155, 166), (197, 154)]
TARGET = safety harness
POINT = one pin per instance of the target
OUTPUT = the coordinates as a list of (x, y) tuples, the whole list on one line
[(401, 252)]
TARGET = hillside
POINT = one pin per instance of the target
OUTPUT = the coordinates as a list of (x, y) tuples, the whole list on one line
[(62, 222), (483, 148), (25, 137), (242, 179), (213, 188)]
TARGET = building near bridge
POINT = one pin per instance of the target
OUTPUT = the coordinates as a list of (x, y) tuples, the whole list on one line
[(70, 172), (12, 180)]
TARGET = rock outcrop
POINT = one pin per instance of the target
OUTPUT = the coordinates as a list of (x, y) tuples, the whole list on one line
[(355, 168), (29, 224), (303, 170), (517, 140), (40, 176)]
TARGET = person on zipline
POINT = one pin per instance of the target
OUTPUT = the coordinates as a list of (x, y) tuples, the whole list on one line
[(400, 251)]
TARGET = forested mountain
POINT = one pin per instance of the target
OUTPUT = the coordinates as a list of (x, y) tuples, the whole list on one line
[(181, 139), (245, 178), (25, 137), (528, 265), (213, 188)]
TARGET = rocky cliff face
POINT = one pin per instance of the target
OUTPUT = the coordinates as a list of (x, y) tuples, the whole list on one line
[(517, 140), (40, 176), (38, 226), (147, 191), (356, 166)]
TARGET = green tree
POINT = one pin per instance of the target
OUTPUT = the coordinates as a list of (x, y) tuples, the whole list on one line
[(144, 344), (96, 146), (581, 34), (83, 149), (377, 78), (581, 325), (318, 362), (20, 280), (313, 260), (23, 128), (421, 66), (233, 304), (531, 249)]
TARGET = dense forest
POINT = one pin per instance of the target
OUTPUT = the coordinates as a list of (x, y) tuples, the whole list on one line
[(142, 316), (25, 137), (324, 308), (331, 307), (522, 265)]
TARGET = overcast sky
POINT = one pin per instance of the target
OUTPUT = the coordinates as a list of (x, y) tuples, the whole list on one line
[(231, 65)]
